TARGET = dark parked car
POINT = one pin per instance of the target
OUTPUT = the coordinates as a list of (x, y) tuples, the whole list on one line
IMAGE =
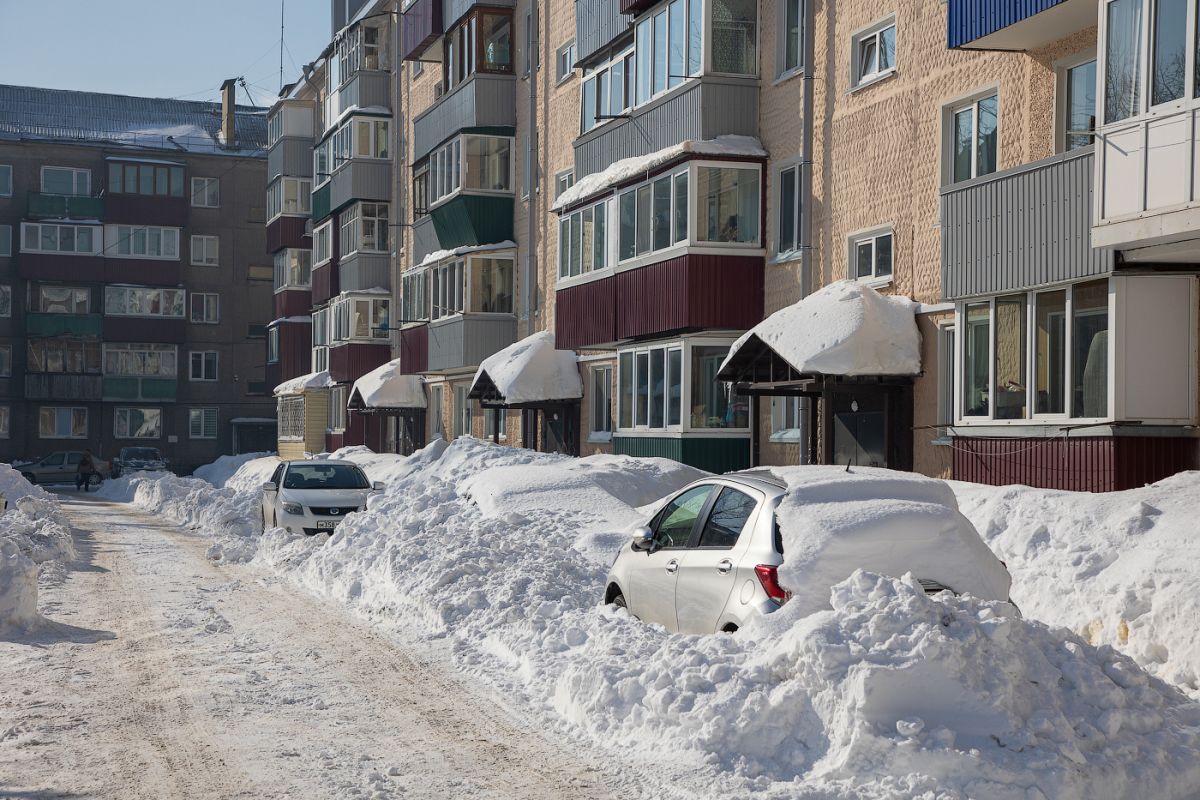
[(137, 459)]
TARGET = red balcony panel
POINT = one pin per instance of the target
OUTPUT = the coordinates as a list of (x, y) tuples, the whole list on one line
[(324, 282), (49, 267), (422, 27), (414, 349), (285, 232), (586, 314), (295, 350), (144, 329), (137, 209), (293, 303), (143, 270), (349, 362), (690, 292)]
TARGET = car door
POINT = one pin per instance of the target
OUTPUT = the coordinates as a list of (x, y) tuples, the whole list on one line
[(653, 573), (271, 496), (708, 569), (50, 468), (71, 466)]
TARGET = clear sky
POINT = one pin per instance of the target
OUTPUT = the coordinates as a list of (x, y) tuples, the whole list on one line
[(159, 48)]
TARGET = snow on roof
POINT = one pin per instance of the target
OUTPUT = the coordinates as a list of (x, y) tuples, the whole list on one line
[(313, 380), (281, 320), (531, 370), (629, 168), (439, 255), (388, 387), (131, 159), (29, 112), (846, 328)]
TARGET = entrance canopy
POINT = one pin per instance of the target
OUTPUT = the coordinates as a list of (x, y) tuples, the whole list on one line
[(529, 373), (387, 388), (845, 329), (302, 384)]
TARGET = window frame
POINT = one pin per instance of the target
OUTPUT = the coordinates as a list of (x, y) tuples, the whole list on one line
[(601, 377), (73, 410), (76, 173), (39, 300), (796, 167), (6, 184), (207, 191), (284, 268), (203, 412), (207, 357), (684, 346), (207, 300), (117, 434), (949, 113), (322, 240), (872, 235), (205, 240), (162, 301), (142, 348), (564, 70), (118, 238), (872, 33), (782, 71), (781, 408), (6, 234), (97, 233), (176, 177), (277, 192), (273, 345), (1062, 97), (341, 315)]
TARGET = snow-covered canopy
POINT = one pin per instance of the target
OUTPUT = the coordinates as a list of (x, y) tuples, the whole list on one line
[(388, 387), (529, 371), (442, 255), (313, 380), (846, 328), (630, 168)]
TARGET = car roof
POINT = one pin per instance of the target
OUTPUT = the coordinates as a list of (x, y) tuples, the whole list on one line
[(763, 481), (321, 462)]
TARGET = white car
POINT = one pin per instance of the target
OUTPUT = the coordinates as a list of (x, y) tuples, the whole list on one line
[(711, 557), (314, 496)]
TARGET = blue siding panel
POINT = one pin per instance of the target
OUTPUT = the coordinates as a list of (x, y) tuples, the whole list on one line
[(968, 20)]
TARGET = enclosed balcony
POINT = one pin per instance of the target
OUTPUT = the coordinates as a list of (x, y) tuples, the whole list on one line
[(597, 24), (358, 179), (1014, 24), (366, 89), (57, 386), (464, 340), (62, 206), (480, 101), (290, 156), (422, 26), (288, 231), (349, 362), (122, 387), (39, 324)]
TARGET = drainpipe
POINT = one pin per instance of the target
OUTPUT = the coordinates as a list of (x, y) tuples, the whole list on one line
[(530, 262), (806, 170)]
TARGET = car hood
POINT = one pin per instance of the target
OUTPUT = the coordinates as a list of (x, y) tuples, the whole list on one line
[(325, 497)]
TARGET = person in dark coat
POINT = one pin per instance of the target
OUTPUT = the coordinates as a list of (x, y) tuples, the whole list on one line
[(85, 471)]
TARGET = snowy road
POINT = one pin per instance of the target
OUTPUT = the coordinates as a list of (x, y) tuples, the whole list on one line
[(164, 676)]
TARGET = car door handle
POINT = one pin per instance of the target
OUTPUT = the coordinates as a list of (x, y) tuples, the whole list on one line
[(724, 565), (672, 566)]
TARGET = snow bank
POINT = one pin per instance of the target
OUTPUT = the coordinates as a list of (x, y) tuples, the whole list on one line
[(33, 532), (18, 589), (220, 471), (251, 475), (531, 370), (1119, 568), (13, 486)]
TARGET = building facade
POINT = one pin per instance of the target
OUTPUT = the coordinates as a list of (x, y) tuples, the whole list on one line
[(135, 284)]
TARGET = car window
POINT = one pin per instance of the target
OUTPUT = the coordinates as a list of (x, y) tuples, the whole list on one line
[(675, 522), (53, 460), (277, 474), (324, 476), (729, 515), (74, 458)]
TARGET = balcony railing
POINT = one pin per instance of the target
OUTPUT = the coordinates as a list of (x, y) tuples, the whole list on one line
[(40, 324), (465, 340), (117, 387), (56, 386), (62, 206)]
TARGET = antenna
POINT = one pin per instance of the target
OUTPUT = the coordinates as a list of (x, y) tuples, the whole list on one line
[(281, 6)]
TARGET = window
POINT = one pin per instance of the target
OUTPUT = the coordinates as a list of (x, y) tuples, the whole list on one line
[(364, 227), (482, 42), (446, 289), (272, 345), (728, 200), (565, 62), (790, 36), (337, 408), (608, 90), (947, 336), (415, 285), (320, 327), (653, 216), (563, 181), (205, 308), (72, 356), (161, 180), (256, 330), (48, 237), (712, 402), (973, 138), (133, 241), (360, 48), (652, 387), (320, 359), (206, 192), (205, 251), (488, 166), (5, 361), (729, 515), (5, 301), (5, 240), (871, 256), (293, 269), (202, 423), (359, 318), (1123, 60), (421, 189), (322, 249), (6, 180), (474, 164), (1078, 114), (66, 180), (491, 287), (62, 423), (582, 241), (137, 423), (673, 527), (274, 131), (875, 52), (490, 417), (291, 418), (602, 421), (63, 300), (1170, 35), (5, 421), (462, 411), (663, 40), (1089, 350), (323, 161), (734, 36), (140, 360), (357, 137), (788, 232), (787, 419), (137, 301), (435, 410), (292, 196)]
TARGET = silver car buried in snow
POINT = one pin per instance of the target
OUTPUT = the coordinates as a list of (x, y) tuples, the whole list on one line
[(314, 496)]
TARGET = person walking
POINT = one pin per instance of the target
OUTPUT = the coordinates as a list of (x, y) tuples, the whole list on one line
[(85, 471)]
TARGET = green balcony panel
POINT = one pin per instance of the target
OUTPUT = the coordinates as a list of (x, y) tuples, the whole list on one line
[(159, 388), (320, 202), (472, 219), (38, 324), (131, 388), (59, 206), (710, 453)]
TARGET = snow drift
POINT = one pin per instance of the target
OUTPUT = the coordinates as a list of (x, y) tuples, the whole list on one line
[(33, 532), (220, 471)]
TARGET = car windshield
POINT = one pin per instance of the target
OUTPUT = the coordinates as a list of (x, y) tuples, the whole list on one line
[(139, 454), (324, 476)]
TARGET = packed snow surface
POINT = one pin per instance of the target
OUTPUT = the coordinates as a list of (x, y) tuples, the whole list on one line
[(845, 328), (389, 387), (531, 370), (313, 380), (220, 471)]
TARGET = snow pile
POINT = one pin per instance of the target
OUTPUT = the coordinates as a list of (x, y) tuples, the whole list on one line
[(13, 486), (220, 471), (846, 328), (313, 380), (531, 370), (389, 387), (38, 528), (252, 474), (388, 467), (1118, 568), (33, 532), (18, 589)]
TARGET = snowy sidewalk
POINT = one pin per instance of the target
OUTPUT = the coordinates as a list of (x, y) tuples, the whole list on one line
[(165, 676)]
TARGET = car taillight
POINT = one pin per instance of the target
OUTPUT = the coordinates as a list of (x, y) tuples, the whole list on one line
[(768, 576)]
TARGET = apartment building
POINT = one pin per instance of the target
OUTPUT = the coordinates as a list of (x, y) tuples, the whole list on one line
[(134, 286)]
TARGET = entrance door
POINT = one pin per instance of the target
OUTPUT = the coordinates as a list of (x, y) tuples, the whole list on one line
[(860, 429), (560, 429)]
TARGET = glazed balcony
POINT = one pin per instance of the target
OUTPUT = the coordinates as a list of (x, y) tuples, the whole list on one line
[(422, 26), (480, 101), (62, 206), (366, 89), (358, 179), (1014, 24), (464, 340), (291, 156)]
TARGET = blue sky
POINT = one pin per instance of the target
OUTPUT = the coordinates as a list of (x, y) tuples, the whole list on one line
[(158, 48)]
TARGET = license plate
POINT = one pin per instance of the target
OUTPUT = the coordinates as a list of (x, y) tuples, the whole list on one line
[(327, 524)]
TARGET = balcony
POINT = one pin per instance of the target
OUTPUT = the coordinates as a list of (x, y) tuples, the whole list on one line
[(149, 271), (481, 101), (57, 267), (293, 303), (61, 206), (597, 24), (157, 390), (422, 26), (162, 330), (425, 240), (137, 209), (320, 202), (636, 6), (360, 272), (349, 362), (703, 109), (39, 324), (325, 282), (691, 292), (359, 179), (290, 156), (471, 219), (1021, 228), (57, 386), (284, 231), (365, 89), (465, 340), (1014, 24), (414, 349), (295, 352)]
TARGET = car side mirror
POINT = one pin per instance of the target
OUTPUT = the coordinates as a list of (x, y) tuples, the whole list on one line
[(269, 487), (378, 486), (643, 539)]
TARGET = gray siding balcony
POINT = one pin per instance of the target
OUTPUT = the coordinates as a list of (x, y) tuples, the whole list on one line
[(467, 339), (1021, 228), (597, 24), (359, 272), (290, 156), (360, 179), (366, 89), (704, 109), (425, 240), (481, 101)]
